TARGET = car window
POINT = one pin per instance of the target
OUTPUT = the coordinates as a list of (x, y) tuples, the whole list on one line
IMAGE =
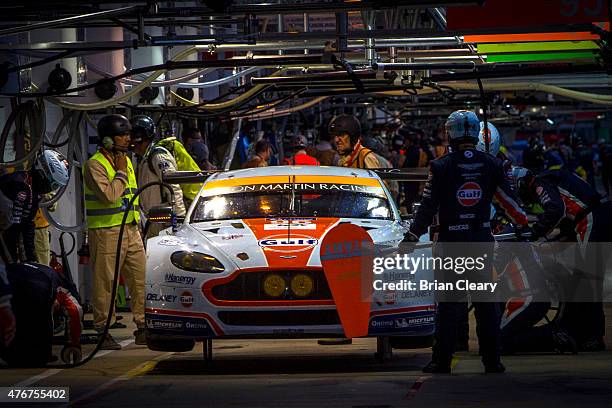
[(316, 203)]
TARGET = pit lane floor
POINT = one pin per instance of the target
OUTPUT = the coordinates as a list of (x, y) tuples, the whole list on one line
[(301, 373)]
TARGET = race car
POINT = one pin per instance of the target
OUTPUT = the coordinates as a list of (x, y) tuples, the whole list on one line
[(246, 263)]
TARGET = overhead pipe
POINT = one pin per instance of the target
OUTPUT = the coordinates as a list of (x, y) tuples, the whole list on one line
[(399, 66), (326, 76), (69, 20)]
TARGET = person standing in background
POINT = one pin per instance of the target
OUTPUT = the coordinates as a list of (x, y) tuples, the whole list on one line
[(197, 147), (263, 151), (110, 184)]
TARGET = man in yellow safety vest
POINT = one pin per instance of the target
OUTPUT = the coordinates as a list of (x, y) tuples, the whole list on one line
[(110, 184)]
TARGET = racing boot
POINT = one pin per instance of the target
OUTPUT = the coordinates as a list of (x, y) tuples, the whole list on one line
[(434, 367), (495, 368), (140, 337), (563, 342), (109, 343)]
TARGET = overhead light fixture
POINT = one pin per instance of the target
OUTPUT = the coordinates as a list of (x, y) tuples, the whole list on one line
[(550, 121)]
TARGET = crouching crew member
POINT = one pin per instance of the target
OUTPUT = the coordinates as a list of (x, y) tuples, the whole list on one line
[(583, 216)]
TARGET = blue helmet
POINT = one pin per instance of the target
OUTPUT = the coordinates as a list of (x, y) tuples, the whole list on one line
[(494, 139), (462, 124)]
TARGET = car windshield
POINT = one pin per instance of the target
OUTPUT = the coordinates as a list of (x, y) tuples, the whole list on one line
[(312, 203)]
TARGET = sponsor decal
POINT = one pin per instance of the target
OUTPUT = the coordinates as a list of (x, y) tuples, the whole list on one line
[(154, 297), (468, 154), (193, 325), (414, 323), (174, 324), (169, 242), (301, 187), (231, 237), (390, 298), (462, 227), (179, 279), (275, 225), (469, 194), (186, 299), (164, 324), (281, 243)]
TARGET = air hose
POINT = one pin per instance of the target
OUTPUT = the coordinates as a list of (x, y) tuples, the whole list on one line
[(34, 114), (116, 274)]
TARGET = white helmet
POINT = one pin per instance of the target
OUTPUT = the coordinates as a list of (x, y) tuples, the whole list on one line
[(494, 139), (54, 167), (462, 124)]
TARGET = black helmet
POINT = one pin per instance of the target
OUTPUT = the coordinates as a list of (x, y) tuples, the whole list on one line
[(143, 127), (113, 125), (345, 124)]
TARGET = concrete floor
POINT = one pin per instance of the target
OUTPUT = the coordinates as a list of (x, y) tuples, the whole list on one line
[(301, 373)]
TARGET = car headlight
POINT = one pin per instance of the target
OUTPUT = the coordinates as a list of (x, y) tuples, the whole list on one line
[(274, 285), (196, 262), (301, 285)]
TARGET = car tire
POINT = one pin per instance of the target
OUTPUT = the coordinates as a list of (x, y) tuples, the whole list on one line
[(178, 345), (411, 342)]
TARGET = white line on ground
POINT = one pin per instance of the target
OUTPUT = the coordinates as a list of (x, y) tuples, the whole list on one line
[(52, 371)]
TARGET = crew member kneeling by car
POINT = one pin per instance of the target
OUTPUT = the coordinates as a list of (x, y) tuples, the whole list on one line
[(110, 184), (460, 189)]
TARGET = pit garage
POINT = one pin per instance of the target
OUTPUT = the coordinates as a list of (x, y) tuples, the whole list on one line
[(238, 203)]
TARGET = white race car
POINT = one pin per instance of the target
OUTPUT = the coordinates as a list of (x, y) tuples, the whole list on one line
[(245, 262)]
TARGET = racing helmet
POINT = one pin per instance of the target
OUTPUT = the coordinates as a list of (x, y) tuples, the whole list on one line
[(523, 179), (494, 139), (345, 124), (143, 127), (54, 168), (110, 126), (462, 125)]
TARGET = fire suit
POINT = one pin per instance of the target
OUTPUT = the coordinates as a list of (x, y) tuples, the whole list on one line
[(585, 216), (155, 162), (460, 189), (38, 292)]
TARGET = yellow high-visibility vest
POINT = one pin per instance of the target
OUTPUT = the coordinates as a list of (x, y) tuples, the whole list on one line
[(184, 162), (103, 215)]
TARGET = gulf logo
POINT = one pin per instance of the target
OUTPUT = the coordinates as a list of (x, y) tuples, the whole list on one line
[(186, 299), (285, 243), (469, 194)]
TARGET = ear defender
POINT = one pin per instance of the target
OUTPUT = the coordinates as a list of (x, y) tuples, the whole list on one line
[(108, 143)]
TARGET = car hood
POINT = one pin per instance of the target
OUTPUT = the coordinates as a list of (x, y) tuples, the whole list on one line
[(282, 242)]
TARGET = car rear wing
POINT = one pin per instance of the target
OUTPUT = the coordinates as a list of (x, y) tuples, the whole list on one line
[(405, 174)]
